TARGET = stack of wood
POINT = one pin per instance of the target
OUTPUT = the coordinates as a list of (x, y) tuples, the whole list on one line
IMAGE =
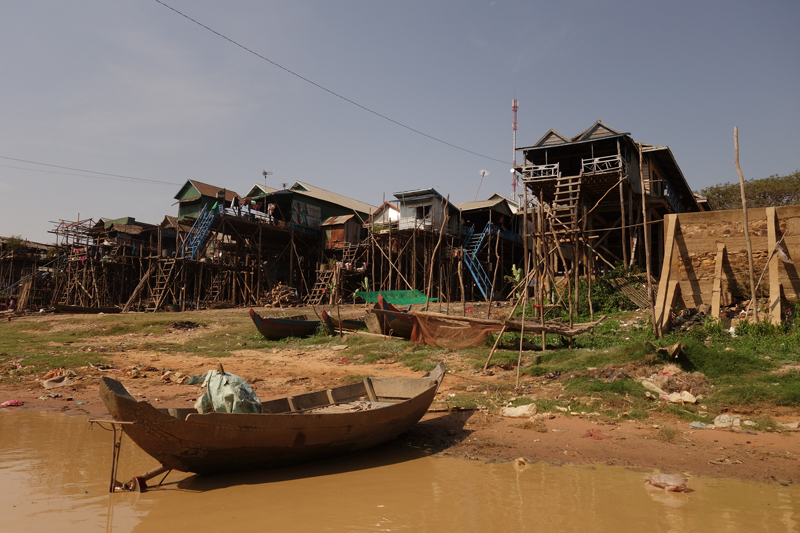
[(281, 296)]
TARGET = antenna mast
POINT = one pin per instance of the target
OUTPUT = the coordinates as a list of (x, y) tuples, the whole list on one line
[(514, 107)]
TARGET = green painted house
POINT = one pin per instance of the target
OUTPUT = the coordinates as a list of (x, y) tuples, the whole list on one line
[(194, 195)]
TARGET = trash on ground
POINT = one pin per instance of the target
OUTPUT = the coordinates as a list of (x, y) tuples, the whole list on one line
[(668, 482)]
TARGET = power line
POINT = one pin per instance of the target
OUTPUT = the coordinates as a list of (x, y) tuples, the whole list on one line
[(99, 175), (315, 84)]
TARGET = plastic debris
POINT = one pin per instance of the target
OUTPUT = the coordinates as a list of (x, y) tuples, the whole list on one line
[(11, 403), (523, 411), (668, 482)]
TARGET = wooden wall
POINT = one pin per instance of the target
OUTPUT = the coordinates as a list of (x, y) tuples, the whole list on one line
[(697, 239)]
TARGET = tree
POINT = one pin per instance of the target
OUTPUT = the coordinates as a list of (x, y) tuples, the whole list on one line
[(15, 242), (772, 191)]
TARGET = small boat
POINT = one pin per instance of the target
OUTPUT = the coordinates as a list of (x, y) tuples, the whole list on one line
[(289, 431), (400, 322), (77, 309), (348, 324), (280, 328)]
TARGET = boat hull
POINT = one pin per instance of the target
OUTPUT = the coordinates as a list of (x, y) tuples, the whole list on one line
[(76, 309), (221, 442), (280, 328)]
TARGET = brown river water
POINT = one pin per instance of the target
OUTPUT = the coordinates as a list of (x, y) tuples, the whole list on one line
[(54, 477)]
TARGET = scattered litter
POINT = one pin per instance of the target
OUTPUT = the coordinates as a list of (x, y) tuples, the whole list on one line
[(595, 434), (523, 411), (11, 403), (174, 377), (61, 371), (668, 482), (58, 381), (724, 461), (791, 425), (726, 421), (700, 425), (553, 375)]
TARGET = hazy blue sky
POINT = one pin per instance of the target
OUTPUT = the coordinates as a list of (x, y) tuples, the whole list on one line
[(129, 87)]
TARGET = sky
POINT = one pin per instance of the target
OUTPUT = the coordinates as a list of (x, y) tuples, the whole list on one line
[(108, 108)]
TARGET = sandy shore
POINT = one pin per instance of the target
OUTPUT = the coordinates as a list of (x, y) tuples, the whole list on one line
[(473, 434)]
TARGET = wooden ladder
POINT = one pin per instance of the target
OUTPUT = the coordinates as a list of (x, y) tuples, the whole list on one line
[(565, 203), (320, 287), (163, 287)]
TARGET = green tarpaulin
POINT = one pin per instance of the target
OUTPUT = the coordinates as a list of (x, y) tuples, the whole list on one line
[(395, 297)]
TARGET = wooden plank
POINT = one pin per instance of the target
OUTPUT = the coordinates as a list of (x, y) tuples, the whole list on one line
[(662, 307), (292, 406), (370, 390), (716, 292), (672, 292), (774, 272)]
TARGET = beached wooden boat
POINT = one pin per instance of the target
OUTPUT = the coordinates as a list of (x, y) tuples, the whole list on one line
[(77, 309), (399, 322), (293, 430), (280, 328), (333, 324)]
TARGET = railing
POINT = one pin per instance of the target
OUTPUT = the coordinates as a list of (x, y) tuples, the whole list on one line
[(538, 172), (600, 165)]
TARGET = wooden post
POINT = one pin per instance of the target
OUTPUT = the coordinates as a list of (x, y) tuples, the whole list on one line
[(716, 291), (624, 232), (774, 272), (461, 283), (436, 248), (746, 228), (646, 229)]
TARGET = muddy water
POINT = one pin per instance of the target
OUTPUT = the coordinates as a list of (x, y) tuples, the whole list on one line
[(54, 476)]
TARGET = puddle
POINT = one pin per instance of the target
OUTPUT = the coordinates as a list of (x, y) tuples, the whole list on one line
[(54, 475)]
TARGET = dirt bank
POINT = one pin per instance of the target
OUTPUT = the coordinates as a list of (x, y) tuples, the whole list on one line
[(668, 445)]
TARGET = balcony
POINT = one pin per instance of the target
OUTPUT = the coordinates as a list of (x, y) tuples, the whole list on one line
[(604, 165), (539, 172)]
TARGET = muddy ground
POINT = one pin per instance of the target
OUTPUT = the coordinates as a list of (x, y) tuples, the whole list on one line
[(473, 434)]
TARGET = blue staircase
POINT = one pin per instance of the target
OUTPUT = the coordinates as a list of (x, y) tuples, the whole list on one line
[(194, 240), (472, 245)]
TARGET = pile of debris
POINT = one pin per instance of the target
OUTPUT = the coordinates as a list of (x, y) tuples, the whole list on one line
[(281, 296)]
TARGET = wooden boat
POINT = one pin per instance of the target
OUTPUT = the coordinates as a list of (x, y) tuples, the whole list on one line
[(292, 430), (400, 322), (280, 328), (348, 324), (77, 309)]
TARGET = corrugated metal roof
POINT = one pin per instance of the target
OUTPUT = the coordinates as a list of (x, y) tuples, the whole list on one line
[(402, 195), (301, 187), (211, 190), (333, 221)]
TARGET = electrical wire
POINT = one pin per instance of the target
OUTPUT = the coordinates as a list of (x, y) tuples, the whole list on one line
[(315, 84), (99, 175)]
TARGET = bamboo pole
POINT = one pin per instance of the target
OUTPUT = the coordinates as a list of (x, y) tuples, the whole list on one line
[(746, 228)]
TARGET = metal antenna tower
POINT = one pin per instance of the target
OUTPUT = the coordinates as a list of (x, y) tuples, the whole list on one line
[(514, 107)]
